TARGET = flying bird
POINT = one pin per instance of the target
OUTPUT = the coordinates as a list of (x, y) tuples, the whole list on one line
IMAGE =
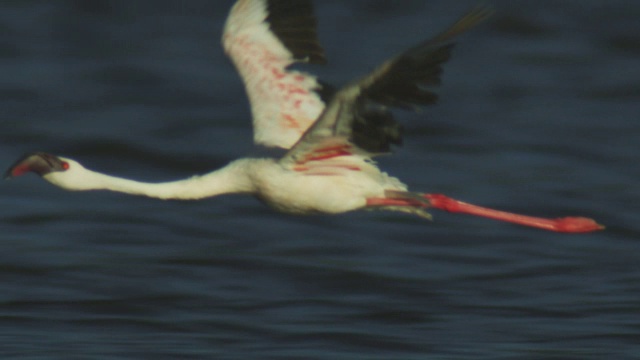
[(330, 136)]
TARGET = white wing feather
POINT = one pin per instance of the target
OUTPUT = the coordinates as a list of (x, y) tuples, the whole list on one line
[(283, 102)]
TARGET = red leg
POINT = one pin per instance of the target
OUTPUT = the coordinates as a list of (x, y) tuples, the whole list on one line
[(567, 224)]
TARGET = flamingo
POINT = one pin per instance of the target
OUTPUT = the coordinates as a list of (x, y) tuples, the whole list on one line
[(330, 137)]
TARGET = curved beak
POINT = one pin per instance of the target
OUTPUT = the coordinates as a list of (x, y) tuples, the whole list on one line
[(38, 162)]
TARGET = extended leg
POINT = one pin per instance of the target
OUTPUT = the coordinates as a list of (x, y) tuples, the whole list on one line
[(415, 203), (566, 224)]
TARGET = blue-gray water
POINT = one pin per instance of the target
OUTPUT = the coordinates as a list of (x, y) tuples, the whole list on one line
[(539, 113)]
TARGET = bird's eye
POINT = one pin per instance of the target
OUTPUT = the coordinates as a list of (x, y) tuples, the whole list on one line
[(65, 165)]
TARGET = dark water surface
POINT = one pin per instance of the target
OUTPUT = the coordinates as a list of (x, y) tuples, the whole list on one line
[(540, 113)]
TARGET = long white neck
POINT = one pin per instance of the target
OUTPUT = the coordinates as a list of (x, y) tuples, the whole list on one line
[(231, 179)]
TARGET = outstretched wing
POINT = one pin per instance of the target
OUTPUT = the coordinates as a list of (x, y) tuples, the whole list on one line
[(263, 38), (357, 120)]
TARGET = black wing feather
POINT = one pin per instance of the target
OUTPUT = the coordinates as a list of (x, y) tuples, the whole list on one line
[(294, 23), (359, 111)]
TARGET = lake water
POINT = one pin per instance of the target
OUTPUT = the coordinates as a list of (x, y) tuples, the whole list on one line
[(539, 114)]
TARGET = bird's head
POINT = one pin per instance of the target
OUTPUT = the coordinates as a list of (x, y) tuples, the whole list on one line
[(57, 170)]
